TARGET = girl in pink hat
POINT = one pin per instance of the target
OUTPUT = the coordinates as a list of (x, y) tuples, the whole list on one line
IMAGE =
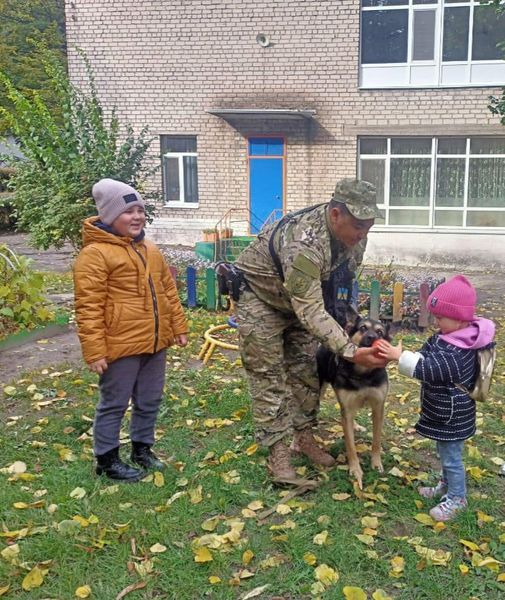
[(446, 361)]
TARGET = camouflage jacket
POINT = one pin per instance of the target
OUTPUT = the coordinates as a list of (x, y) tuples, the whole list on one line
[(305, 247)]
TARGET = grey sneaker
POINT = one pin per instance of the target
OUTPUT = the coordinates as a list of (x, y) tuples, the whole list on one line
[(448, 509), (434, 492)]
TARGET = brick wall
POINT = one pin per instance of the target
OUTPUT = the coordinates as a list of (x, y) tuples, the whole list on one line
[(165, 63)]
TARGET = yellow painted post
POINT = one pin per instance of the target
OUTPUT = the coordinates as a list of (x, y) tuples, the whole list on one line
[(397, 302)]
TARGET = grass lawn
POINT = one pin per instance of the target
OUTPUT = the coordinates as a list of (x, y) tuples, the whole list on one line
[(193, 531)]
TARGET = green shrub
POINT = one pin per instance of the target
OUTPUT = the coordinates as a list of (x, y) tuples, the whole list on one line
[(22, 303), (65, 154)]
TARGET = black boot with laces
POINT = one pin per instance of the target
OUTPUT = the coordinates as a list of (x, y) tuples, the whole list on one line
[(112, 466), (143, 456)]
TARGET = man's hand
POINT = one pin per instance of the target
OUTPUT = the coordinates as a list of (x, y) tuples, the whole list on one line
[(181, 340), (367, 357), (98, 366), (386, 350)]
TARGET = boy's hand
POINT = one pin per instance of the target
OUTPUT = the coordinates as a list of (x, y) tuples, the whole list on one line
[(98, 366), (386, 350), (181, 340)]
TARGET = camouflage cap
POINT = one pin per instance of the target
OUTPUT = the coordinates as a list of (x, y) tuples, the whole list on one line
[(359, 197)]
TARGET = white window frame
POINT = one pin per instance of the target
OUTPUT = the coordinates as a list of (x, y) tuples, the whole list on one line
[(406, 71), (181, 203), (433, 156)]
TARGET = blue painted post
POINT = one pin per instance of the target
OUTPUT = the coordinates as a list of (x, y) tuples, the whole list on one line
[(375, 300), (191, 283)]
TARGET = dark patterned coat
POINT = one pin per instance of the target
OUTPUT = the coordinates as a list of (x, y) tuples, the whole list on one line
[(447, 413)]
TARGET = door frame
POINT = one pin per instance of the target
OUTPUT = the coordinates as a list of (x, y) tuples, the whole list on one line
[(281, 156)]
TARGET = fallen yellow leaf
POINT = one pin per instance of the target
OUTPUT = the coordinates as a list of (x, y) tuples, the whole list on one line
[(157, 548), (210, 524), (252, 449), (483, 518), (365, 539), (321, 538), (470, 545), (33, 579), (78, 493), (425, 519), (202, 555), (9, 553), (372, 522), (340, 497), (84, 591), (397, 564), (326, 575), (380, 595), (353, 593), (272, 561), (158, 479), (195, 495), (310, 558), (283, 509), (247, 557)]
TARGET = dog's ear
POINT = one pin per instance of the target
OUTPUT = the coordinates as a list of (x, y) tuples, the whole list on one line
[(352, 318), (391, 330)]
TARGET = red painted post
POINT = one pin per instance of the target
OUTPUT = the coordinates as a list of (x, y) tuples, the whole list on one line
[(424, 315)]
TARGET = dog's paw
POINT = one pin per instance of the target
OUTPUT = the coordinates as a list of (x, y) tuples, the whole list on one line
[(357, 473), (377, 464)]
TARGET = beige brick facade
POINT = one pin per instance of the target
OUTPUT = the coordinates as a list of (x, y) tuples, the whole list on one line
[(165, 63)]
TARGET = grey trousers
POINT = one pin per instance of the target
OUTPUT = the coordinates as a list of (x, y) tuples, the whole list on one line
[(140, 378)]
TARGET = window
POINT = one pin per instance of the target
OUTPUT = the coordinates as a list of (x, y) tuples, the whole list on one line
[(446, 182), (179, 170), (430, 43)]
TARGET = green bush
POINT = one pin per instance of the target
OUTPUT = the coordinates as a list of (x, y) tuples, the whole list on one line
[(6, 208), (22, 303), (65, 155)]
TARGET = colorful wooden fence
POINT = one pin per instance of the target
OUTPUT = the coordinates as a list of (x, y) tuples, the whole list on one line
[(201, 290)]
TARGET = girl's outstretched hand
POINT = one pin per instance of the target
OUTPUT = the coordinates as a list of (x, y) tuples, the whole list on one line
[(386, 350)]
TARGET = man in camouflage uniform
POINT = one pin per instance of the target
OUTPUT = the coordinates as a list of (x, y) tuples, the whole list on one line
[(281, 317)]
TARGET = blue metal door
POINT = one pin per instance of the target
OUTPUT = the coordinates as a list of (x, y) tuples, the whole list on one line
[(266, 179)]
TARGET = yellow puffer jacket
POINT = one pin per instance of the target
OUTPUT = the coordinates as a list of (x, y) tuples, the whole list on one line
[(125, 298)]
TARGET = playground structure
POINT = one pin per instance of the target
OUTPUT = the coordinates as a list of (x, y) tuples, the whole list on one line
[(211, 342)]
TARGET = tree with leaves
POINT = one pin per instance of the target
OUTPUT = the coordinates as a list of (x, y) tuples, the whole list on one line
[(27, 26), (66, 154)]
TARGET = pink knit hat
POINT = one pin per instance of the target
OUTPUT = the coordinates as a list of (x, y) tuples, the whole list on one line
[(455, 299)]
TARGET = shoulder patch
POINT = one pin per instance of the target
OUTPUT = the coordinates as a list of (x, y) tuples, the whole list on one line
[(305, 265), (298, 283)]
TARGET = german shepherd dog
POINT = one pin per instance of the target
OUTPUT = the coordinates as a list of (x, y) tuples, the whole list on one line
[(356, 386)]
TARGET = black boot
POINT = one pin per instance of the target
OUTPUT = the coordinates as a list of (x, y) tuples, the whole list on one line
[(112, 466), (142, 455)]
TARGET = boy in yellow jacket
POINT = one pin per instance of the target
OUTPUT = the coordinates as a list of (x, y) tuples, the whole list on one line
[(128, 312)]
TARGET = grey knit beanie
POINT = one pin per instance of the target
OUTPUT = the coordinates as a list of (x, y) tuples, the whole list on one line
[(113, 198)]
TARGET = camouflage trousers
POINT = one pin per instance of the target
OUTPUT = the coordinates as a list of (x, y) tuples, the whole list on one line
[(278, 355)]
